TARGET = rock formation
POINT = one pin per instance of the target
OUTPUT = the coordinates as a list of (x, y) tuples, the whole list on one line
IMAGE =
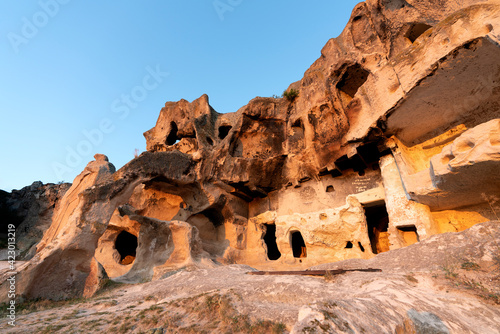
[(394, 137), (424, 288), (30, 210)]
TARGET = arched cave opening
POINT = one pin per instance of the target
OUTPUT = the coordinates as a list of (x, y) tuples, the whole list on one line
[(377, 220), (126, 245), (348, 245), (172, 136), (298, 245), (298, 125), (273, 253), (416, 30)]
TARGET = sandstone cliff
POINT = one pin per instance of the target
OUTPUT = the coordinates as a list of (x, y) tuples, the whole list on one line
[(30, 209), (394, 137)]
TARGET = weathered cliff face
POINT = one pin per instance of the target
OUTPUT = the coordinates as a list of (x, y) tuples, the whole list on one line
[(393, 137), (30, 209), (423, 288)]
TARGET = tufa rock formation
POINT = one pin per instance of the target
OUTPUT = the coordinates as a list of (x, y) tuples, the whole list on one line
[(410, 295), (30, 210), (394, 137)]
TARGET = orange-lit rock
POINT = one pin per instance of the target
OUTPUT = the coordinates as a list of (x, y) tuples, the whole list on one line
[(393, 138)]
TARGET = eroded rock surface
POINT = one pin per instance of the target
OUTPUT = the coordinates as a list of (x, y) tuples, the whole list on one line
[(453, 292), (392, 139), (30, 210)]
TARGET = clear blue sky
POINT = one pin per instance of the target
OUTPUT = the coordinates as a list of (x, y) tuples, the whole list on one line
[(67, 67)]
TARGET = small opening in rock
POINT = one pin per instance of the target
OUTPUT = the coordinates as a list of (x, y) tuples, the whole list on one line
[(214, 215), (416, 30), (210, 141), (330, 189), (355, 162), (126, 245), (348, 245), (224, 130), (273, 252), (354, 77), (409, 234), (369, 153), (298, 245), (361, 247), (377, 220), (172, 136), (297, 124)]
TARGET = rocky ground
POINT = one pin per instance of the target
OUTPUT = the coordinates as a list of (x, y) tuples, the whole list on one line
[(447, 283)]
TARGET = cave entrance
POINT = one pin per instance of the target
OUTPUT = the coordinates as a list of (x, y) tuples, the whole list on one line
[(416, 30), (377, 220), (298, 245), (409, 234), (172, 137), (273, 253), (126, 245), (224, 131), (353, 78)]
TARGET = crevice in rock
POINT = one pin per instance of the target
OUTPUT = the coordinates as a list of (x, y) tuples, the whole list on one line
[(273, 252), (172, 137), (298, 245), (361, 247)]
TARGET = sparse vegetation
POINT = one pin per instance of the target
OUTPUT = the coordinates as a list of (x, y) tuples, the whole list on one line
[(39, 304), (469, 265), (72, 315), (218, 313), (329, 311), (464, 281), (291, 94), (109, 285), (204, 313), (110, 303), (52, 329), (411, 278), (491, 200), (496, 263), (329, 277)]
